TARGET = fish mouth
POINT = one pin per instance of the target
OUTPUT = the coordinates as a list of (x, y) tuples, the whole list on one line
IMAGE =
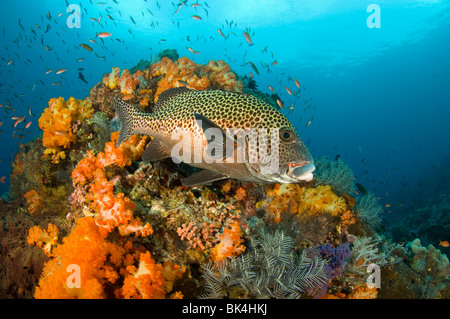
[(301, 171)]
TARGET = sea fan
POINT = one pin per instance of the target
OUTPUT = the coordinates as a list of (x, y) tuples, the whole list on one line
[(336, 173), (369, 209), (365, 251), (268, 269)]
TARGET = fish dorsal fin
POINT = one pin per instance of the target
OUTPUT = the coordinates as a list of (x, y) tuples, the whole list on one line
[(218, 144), (167, 97), (155, 151), (203, 177)]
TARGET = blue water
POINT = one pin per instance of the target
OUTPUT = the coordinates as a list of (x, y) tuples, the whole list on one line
[(379, 97)]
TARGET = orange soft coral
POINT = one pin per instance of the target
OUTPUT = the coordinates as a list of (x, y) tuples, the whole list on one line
[(98, 264), (121, 156), (230, 243), (240, 194), (79, 109), (126, 82), (56, 124), (84, 171), (34, 201), (44, 239), (196, 76), (111, 80), (133, 147), (171, 273), (111, 210), (147, 282), (56, 121), (221, 76), (298, 200), (144, 102), (85, 247), (112, 155)]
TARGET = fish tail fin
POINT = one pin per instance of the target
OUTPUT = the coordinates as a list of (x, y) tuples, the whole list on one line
[(128, 115)]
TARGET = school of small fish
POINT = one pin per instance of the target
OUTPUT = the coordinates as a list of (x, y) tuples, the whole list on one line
[(60, 70)]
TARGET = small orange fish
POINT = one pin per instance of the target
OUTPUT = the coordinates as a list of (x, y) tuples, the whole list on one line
[(48, 71), (93, 41), (61, 133), (221, 33), (280, 104), (251, 75), (297, 83), (104, 35), (18, 120), (271, 88), (275, 62), (288, 90), (192, 51), (61, 71), (443, 243), (387, 205), (179, 7), (2, 179), (28, 125), (196, 17), (127, 97)]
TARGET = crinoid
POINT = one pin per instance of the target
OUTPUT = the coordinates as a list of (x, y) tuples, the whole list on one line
[(268, 269)]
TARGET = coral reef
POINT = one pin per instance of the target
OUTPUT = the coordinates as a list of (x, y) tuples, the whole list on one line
[(131, 229), (433, 267)]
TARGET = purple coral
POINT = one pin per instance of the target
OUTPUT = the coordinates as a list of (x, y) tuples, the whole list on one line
[(335, 261)]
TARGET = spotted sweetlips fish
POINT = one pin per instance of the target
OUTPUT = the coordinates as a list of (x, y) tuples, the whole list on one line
[(228, 135)]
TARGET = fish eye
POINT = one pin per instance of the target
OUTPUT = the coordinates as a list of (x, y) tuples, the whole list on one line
[(286, 135)]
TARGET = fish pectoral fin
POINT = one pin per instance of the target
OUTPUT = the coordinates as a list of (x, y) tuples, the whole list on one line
[(203, 177), (155, 151), (221, 144)]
